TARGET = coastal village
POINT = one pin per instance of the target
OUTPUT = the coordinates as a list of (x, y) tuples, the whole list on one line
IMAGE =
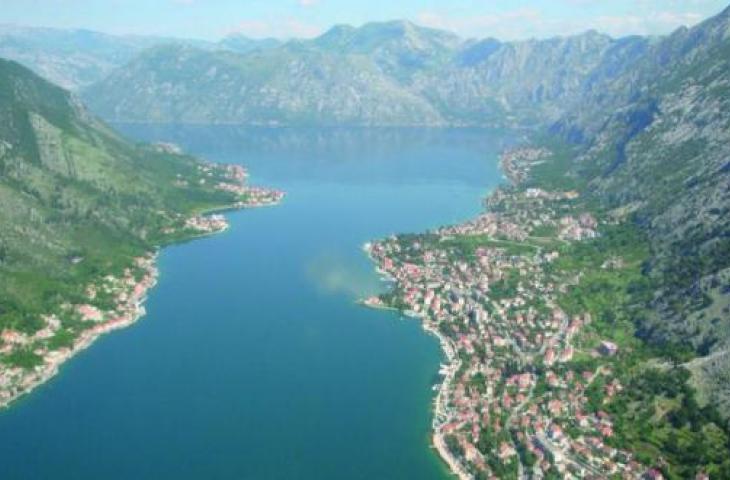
[(234, 181), (113, 301), (515, 401), (128, 293)]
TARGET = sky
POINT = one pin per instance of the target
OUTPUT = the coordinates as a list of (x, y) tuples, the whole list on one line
[(502, 19)]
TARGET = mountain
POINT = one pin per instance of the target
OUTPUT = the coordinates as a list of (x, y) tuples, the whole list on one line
[(72, 58), (665, 154), (242, 44), (390, 73), (527, 82), (648, 118), (294, 84), (76, 58), (78, 201), (398, 48), (656, 150)]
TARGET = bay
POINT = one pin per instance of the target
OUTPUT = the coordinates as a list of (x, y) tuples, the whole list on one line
[(254, 361)]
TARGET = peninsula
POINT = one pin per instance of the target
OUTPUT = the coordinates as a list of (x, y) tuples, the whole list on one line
[(533, 303)]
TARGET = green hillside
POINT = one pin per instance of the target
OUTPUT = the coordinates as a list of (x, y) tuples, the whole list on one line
[(660, 160), (78, 202)]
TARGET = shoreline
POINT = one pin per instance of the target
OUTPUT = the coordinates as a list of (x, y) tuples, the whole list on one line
[(128, 313), (494, 308), (440, 401), (452, 365), (514, 173), (45, 372)]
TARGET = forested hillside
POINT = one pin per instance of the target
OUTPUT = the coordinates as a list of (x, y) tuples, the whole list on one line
[(78, 201)]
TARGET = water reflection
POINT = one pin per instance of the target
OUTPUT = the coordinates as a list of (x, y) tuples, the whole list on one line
[(337, 154)]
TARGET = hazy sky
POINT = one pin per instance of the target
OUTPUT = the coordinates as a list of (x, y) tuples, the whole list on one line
[(504, 19)]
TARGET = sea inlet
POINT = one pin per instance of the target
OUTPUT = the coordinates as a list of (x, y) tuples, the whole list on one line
[(254, 360)]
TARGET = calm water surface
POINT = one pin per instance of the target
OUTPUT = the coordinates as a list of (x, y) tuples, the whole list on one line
[(254, 362)]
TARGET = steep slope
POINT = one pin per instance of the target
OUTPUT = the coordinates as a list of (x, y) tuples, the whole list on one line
[(528, 82), (78, 201), (294, 84), (660, 156), (659, 58), (391, 73), (666, 154)]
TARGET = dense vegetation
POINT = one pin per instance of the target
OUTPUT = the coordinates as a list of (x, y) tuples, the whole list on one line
[(78, 201), (657, 414), (659, 418)]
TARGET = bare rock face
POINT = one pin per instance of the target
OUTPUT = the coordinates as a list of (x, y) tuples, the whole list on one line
[(50, 146), (381, 74), (664, 148)]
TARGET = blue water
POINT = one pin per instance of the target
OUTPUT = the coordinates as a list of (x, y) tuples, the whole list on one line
[(254, 361)]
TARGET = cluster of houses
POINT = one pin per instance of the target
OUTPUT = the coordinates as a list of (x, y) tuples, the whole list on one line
[(516, 163), (206, 223), (490, 224), (581, 228), (234, 181), (216, 174), (539, 193), (126, 294), (512, 399), (251, 197), (28, 359), (524, 221), (259, 197)]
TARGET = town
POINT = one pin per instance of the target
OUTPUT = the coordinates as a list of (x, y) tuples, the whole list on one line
[(514, 402), (46, 349), (231, 179)]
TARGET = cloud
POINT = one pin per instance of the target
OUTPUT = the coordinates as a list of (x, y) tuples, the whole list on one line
[(655, 23), (307, 3), (676, 19), (332, 273), (524, 23), (518, 23), (290, 27)]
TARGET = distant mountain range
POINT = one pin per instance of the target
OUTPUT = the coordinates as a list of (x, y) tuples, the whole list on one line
[(393, 73), (75, 59)]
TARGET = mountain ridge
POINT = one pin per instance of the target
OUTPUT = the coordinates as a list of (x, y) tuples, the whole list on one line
[(75, 58), (71, 188), (656, 152), (422, 77)]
